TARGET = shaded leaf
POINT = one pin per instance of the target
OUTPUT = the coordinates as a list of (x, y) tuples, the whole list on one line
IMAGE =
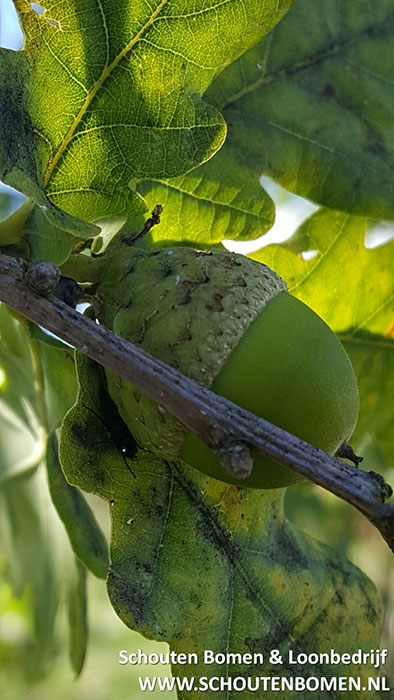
[(4, 204), (205, 565), (312, 104), (352, 289), (47, 338), (41, 238), (41, 566), (59, 379), (77, 618), (27, 537), (41, 231), (86, 537)]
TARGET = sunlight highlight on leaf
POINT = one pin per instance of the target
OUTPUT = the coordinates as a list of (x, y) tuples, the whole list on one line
[(352, 288), (112, 92)]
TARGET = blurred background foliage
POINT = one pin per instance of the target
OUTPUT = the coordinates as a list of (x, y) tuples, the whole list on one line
[(34, 627)]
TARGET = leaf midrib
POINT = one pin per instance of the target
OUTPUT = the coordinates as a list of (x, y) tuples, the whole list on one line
[(228, 547), (93, 91)]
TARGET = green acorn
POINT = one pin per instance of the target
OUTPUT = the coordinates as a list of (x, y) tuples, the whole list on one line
[(229, 323)]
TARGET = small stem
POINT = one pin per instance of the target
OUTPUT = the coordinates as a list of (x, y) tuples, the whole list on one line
[(346, 451), (154, 220)]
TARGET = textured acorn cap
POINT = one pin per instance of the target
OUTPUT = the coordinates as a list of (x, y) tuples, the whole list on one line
[(186, 307)]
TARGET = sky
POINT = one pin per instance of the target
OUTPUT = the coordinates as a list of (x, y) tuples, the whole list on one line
[(10, 32)]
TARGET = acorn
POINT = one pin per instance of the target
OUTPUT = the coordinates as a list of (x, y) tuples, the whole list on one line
[(229, 323)]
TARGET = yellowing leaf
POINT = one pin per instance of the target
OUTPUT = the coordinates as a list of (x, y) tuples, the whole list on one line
[(204, 565)]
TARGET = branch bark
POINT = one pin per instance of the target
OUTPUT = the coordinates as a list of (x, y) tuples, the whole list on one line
[(215, 420)]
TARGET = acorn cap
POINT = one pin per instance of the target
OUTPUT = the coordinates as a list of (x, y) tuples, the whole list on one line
[(188, 308)]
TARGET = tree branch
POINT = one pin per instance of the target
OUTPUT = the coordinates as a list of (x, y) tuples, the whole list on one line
[(222, 425)]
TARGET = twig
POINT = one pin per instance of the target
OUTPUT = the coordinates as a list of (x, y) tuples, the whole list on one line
[(215, 420), (154, 220)]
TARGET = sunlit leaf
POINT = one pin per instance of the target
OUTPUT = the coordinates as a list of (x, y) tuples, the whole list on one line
[(352, 289), (218, 200), (107, 93)]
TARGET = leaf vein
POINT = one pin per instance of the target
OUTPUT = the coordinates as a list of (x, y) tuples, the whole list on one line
[(321, 258), (211, 200), (335, 49), (94, 89), (105, 27)]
